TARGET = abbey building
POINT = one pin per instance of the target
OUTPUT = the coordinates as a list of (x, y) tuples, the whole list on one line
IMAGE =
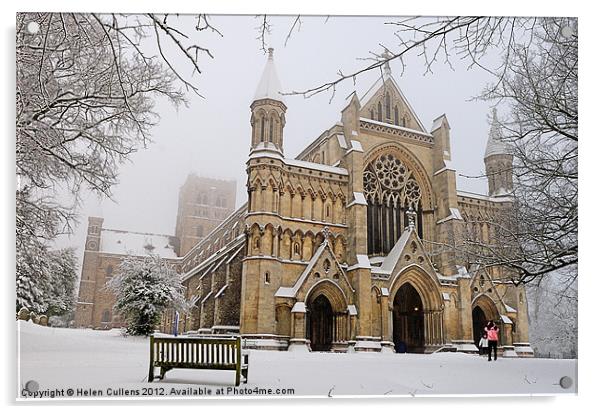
[(340, 248)]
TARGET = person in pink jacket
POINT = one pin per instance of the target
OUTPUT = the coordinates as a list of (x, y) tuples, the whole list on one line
[(492, 337)]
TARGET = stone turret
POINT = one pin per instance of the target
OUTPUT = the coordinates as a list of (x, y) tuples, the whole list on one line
[(268, 111), (498, 160)]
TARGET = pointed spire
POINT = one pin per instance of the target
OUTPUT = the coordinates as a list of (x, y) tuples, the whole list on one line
[(269, 85), (495, 145)]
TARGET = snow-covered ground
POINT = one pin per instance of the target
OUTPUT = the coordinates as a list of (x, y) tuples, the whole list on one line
[(98, 360)]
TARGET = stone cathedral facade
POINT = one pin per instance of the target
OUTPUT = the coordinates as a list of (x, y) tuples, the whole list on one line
[(336, 249)]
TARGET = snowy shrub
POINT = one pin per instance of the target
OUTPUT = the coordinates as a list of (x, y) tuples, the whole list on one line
[(57, 322), (144, 287)]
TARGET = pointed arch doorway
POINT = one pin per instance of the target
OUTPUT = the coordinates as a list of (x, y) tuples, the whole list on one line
[(483, 311), (320, 324), (479, 320), (408, 320)]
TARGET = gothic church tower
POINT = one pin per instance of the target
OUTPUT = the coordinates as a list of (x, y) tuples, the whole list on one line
[(261, 271)]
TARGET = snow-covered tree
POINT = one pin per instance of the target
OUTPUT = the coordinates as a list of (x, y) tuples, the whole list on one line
[(553, 316), (33, 276), (144, 287), (86, 86), (63, 279), (45, 279)]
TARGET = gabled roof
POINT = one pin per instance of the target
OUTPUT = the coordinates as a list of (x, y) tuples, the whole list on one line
[(380, 82), (392, 259), (291, 292), (269, 85)]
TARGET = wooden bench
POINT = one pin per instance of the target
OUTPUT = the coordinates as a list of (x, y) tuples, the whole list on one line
[(168, 352)]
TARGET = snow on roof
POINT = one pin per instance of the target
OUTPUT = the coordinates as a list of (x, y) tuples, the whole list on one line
[(414, 131), (362, 263), (269, 85), (207, 297), (316, 166), (356, 146), (136, 244), (310, 266), (291, 292), (358, 198), (342, 142), (462, 272), (285, 292), (208, 262), (454, 214), (299, 307), (506, 319), (438, 122), (352, 310), (393, 257), (233, 255), (447, 166), (495, 145), (221, 291), (510, 309), (468, 194), (265, 149)]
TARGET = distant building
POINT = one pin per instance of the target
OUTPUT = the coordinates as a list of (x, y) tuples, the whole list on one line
[(203, 203)]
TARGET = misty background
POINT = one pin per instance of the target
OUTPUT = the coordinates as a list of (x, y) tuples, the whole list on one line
[(211, 137)]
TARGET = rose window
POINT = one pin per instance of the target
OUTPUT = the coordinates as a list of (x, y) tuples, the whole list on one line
[(390, 171)]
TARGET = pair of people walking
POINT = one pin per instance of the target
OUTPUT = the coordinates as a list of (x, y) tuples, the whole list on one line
[(489, 339)]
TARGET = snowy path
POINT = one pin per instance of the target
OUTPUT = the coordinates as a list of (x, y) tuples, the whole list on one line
[(61, 358)]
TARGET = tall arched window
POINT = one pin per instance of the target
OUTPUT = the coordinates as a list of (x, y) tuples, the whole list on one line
[(380, 111), (271, 129), (391, 190), (396, 111), (372, 114), (106, 316), (263, 128), (388, 106)]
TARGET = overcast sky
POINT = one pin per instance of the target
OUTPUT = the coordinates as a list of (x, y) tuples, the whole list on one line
[(211, 136)]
